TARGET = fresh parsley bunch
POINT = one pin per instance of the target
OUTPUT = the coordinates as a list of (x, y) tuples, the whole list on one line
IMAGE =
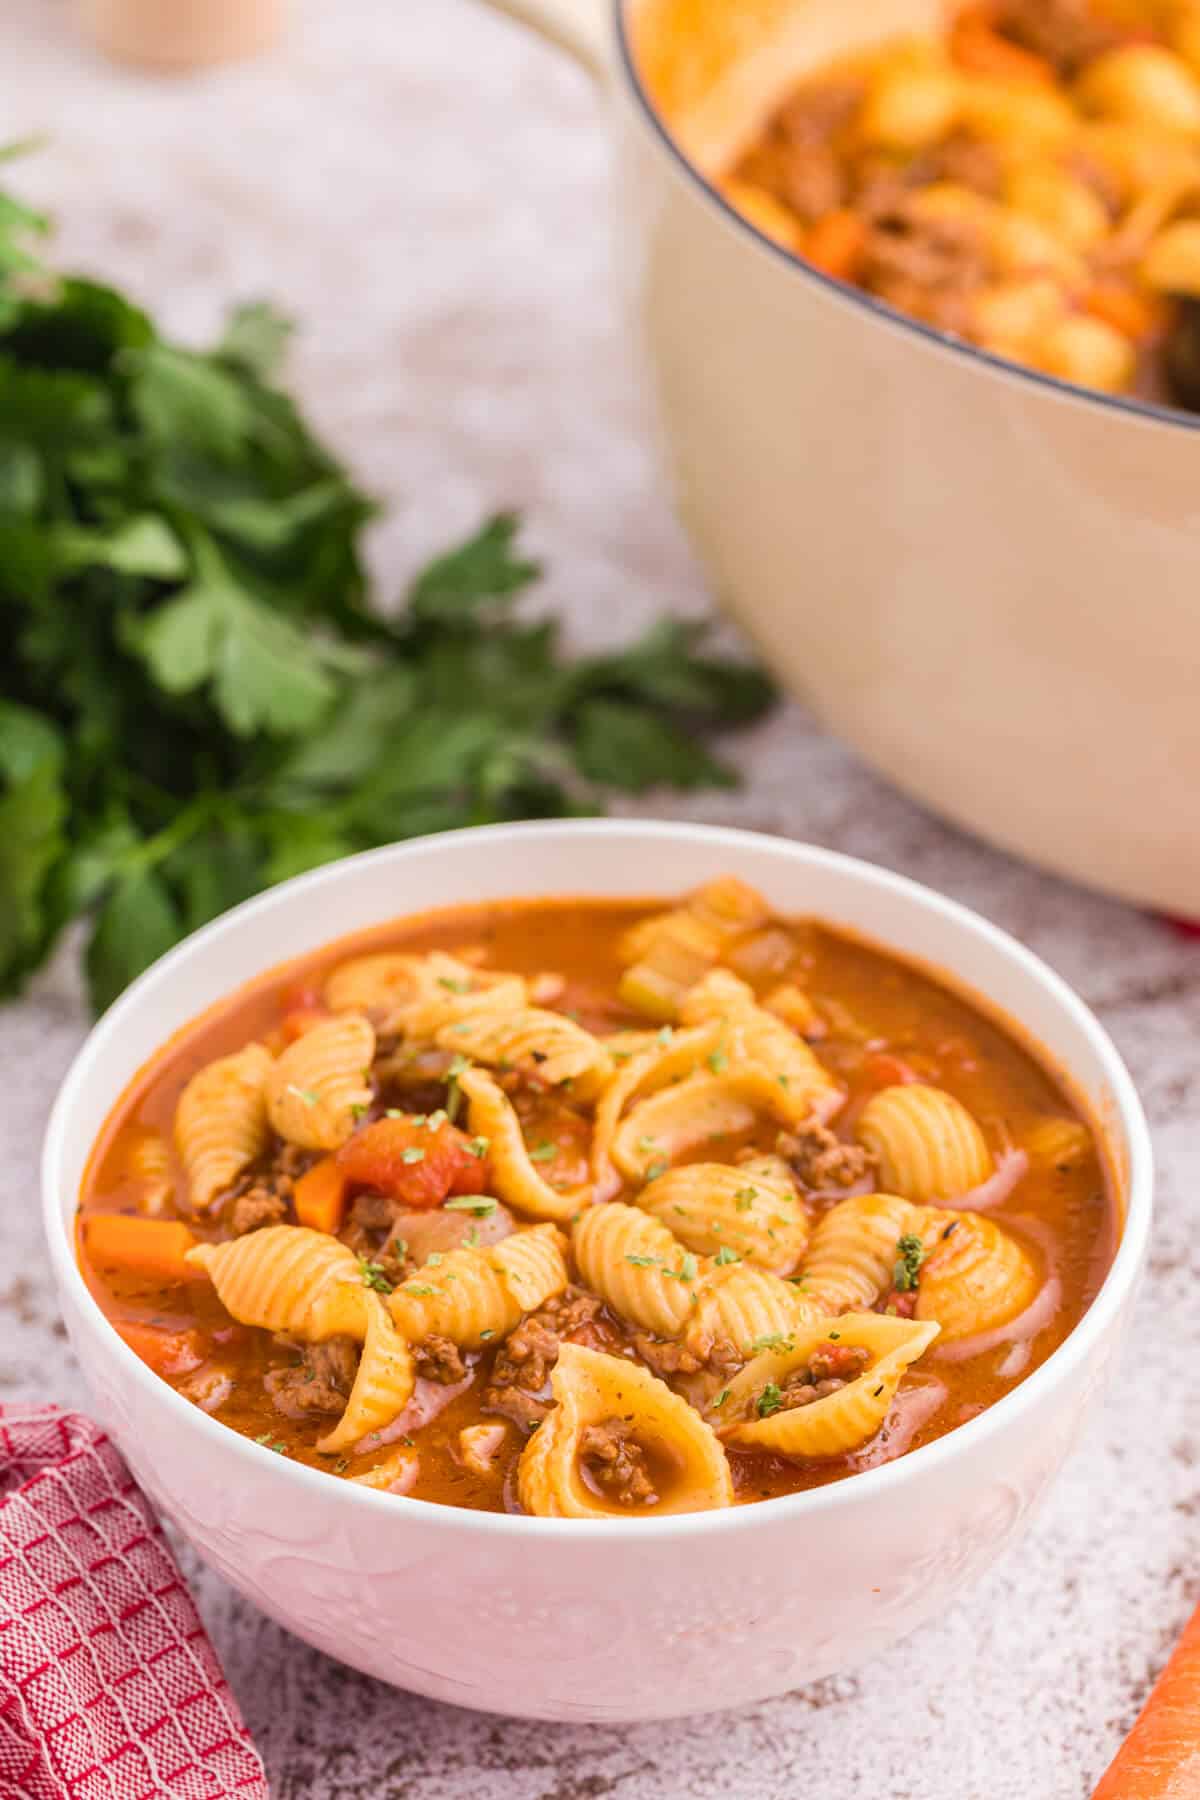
[(198, 699)]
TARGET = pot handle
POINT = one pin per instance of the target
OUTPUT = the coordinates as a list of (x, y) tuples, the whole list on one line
[(580, 26)]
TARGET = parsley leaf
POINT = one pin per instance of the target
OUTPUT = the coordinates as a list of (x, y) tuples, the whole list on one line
[(906, 1271), (201, 698), (373, 1276), (480, 1206)]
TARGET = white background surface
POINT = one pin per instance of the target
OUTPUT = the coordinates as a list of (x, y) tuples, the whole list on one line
[(426, 190)]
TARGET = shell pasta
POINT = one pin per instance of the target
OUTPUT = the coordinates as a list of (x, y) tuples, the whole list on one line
[(596, 1210)]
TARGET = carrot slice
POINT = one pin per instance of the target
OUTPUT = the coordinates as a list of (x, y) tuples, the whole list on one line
[(150, 1247), (1136, 316), (319, 1195), (977, 47), (837, 244), (1160, 1759), (166, 1352)]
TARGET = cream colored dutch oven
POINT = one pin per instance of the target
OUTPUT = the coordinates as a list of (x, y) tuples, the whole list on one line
[(985, 580)]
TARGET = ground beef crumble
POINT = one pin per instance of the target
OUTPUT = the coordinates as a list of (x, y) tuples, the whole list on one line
[(263, 1195), (830, 1367), (616, 1464), (319, 1382), (1068, 33), (926, 266), (667, 1357), (439, 1359), (521, 1372), (821, 1160)]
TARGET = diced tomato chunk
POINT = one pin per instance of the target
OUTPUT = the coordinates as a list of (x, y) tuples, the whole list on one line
[(900, 1306), (300, 1019), (882, 1069), (417, 1161), (301, 996)]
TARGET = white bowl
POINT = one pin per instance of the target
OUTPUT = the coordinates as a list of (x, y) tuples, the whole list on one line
[(557, 1619)]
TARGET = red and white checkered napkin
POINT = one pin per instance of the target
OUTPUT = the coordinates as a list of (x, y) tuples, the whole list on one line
[(109, 1687)]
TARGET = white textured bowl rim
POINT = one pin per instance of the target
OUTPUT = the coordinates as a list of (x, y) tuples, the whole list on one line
[(726, 842), (1149, 411)]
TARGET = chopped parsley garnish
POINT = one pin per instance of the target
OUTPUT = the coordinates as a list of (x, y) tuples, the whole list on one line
[(770, 1400), (687, 1268), (545, 1152), (487, 1332), (665, 1035), (409, 1443), (436, 1120), (412, 1153), (435, 1261), (479, 1147), (480, 1206), (341, 1465), (910, 1254), (646, 1146), (724, 1256), (373, 1276), (276, 1444), (775, 1340), (717, 1060), (359, 1111), (656, 1169), (234, 680), (643, 1262), (834, 1336), (744, 1198), (305, 1094), (721, 1398), (453, 985), (784, 1080), (420, 1288)]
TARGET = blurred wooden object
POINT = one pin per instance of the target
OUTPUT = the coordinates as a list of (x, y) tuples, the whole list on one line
[(177, 35)]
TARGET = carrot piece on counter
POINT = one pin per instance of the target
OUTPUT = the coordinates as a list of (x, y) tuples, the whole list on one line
[(977, 47), (837, 244), (166, 1352), (319, 1196), (152, 1247), (1160, 1759)]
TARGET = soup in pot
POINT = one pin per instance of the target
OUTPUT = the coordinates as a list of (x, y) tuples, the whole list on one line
[(1028, 180), (596, 1209)]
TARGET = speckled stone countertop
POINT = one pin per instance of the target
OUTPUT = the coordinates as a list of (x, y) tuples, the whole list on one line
[(427, 190)]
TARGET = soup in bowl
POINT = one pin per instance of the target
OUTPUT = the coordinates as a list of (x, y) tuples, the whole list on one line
[(532, 1255)]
